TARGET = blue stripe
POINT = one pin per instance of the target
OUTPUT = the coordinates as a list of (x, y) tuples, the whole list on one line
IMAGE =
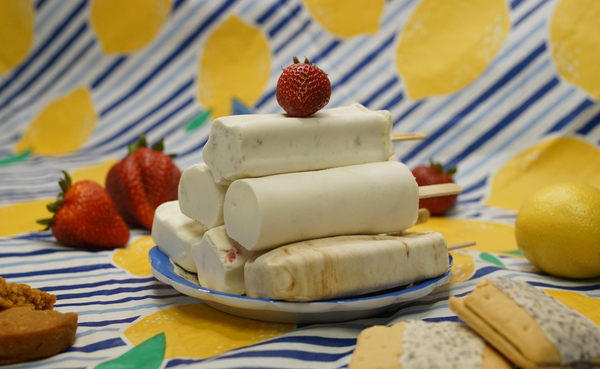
[(478, 101), (114, 66), (44, 46), (158, 123), (152, 305), (368, 59), (571, 115), (108, 322), (194, 149), (505, 122), (409, 111), (128, 299), (326, 51), (477, 186), (394, 101), (99, 346), (34, 253), (181, 48), (288, 41), (155, 109), (531, 11), (102, 283), (590, 125), (77, 277), (269, 12), (46, 261), (80, 269), (90, 332), (57, 55), (39, 4), (176, 5), (389, 84), (515, 4), (285, 20), (116, 291)]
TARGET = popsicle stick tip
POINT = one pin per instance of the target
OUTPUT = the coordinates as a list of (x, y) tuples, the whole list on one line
[(443, 189), (462, 245), (423, 216), (397, 137)]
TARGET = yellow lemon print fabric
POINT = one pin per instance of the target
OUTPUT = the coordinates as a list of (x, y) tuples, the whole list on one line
[(235, 64), (347, 18), (574, 31), (62, 127), (489, 236), (134, 258), (563, 159), (434, 61), (128, 26), (199, 331), (16, 32)]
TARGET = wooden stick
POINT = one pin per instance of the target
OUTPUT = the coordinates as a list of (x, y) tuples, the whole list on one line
[(424, 215), (396, 137), (443, 189), (456, 246)]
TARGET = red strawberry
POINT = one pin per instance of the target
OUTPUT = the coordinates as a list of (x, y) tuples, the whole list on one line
[(141, 182), (86, 217), (435, 174), (303, 89)]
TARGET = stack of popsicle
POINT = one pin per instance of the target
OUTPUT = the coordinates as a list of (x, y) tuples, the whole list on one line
[(297, 209)]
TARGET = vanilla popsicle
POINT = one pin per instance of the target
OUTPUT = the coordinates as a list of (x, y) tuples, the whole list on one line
[(220, 262), (345, 266), (263, 213), (257, 145), (200, 197), (174, 234)]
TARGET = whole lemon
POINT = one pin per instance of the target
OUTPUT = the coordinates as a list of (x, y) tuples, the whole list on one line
[(558, 230)]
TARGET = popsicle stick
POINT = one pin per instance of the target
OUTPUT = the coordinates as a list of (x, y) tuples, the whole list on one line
[(424, 215), (462, 245), (396, 137), (443, 189)]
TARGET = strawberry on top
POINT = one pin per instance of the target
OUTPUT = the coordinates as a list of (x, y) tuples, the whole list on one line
[(142, 181), (303, 89)]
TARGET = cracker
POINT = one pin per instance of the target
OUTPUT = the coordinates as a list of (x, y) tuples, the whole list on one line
[(21, 295), (389, 347)]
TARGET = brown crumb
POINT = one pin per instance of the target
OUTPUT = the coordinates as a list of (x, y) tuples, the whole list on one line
[(21, 295)]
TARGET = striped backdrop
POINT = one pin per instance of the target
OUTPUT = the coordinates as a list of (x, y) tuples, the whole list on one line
[(519, 99)]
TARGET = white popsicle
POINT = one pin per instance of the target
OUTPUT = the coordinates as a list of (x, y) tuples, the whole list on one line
[(200, 197), (345, 266), (220, 262), (263, 213), (174, 234), (257, 145)]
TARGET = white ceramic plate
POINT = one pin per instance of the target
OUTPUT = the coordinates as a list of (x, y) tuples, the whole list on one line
[(292, 312)]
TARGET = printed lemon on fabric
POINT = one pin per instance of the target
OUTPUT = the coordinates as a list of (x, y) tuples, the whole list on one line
[(574, 31), (17, 24), (199, 331), (556, 160), (347, 18), (235, 64), (128, 26), (433, 61), (62, 127), (134, 258)]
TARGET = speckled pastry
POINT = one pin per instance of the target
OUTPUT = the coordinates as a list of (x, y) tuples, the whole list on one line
[(527, 325), (418, 344)]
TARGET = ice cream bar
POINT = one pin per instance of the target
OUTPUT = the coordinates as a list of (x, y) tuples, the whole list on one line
[(345, 266), (200, 197), (263, 213), (174, 234), (257, 145), (220, 262)]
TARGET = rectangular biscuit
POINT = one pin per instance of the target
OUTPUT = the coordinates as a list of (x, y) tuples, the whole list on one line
[(527, 325), (419, 344)]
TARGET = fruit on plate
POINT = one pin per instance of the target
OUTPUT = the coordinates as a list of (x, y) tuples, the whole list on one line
[(431, 174), (86, 217), (303, 89), (558, 230), (142, 181)]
